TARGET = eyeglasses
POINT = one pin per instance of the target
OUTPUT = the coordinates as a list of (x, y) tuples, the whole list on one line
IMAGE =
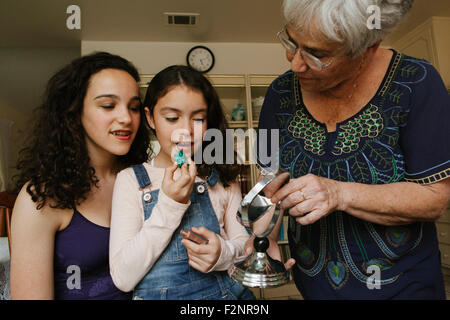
[(312, 61)]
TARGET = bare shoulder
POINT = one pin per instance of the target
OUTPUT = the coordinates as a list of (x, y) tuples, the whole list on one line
[(26, 214), (32, 248)]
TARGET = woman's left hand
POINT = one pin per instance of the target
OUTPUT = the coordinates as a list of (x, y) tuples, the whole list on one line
[(203, 257), (309, 198), (273, 251)]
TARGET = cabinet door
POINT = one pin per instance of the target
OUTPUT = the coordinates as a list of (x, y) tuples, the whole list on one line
[(257, 92), (443, 232), (232, 92), (446, 216), (258, 89), (143, 84), (419, 43), (445, 254), (429, 41)]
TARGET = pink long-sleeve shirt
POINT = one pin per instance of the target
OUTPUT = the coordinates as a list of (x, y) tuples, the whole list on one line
[(135, 244)]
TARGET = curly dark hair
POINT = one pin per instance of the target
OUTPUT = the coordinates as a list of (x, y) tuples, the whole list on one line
[(183, 75), (55, 161)]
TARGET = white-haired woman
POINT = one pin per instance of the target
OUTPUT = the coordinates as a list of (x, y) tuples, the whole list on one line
[(364, 134)]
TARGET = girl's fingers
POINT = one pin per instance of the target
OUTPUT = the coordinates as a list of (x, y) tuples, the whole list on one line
[(187, 174), (184, 170), (184, 178), (204, 232), (200, 260), (193, 248), (199, 264), (192, 169), (289, 264), (169, 172)]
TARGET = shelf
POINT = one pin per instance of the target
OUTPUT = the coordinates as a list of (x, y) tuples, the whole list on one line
[(237, 124), (261, 80), (145, 79), (226, 80)]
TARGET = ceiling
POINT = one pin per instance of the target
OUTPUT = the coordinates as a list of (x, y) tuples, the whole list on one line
[(43, 23)]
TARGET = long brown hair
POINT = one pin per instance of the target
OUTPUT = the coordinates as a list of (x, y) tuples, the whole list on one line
[(55, 161)]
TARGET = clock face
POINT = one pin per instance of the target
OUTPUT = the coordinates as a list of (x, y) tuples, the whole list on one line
[(200, 58)]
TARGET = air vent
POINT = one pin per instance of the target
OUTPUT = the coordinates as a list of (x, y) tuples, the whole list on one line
[(181, 18)]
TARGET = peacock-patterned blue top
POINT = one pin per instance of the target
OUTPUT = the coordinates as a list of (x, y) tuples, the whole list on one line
[(402, 134)]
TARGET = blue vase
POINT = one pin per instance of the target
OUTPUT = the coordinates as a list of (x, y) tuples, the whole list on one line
[(238, 113)]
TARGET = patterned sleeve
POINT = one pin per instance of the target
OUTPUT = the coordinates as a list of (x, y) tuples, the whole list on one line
[(425, 139)]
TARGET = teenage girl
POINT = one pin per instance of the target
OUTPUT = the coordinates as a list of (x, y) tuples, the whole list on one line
[(87, 129), (154, 202)]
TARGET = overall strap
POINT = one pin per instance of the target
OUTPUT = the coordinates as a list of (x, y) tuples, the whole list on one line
[(213, 178), (141, 175)]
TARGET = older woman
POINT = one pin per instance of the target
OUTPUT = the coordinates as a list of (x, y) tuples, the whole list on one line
[(364, 134)]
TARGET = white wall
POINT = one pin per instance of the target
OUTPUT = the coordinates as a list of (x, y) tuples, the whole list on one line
[(230, 58)]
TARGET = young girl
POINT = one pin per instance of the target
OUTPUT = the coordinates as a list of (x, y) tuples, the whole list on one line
[(154, 202), (88, 128)]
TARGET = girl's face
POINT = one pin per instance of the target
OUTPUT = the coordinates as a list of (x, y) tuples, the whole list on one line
[(179, 120), (110, 115)]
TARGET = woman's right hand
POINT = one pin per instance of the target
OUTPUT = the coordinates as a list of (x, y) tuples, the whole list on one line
[(180, 189)]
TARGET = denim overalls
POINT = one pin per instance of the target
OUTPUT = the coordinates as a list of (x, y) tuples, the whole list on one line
[(171, 277)]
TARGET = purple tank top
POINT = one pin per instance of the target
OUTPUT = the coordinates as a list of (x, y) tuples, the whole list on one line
[(81, 262)]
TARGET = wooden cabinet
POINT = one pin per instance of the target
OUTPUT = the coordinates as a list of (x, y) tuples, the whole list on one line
[(430, 41), (443, 234), (232, 91)]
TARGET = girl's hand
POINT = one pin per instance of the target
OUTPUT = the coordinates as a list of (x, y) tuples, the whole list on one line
[(180, 189), (309, 198), (203, 257)]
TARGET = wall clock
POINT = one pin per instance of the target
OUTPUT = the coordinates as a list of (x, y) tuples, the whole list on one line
[(200, 58)]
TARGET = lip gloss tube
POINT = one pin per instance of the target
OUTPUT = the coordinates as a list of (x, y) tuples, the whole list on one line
[(195, 237), (180, 158)]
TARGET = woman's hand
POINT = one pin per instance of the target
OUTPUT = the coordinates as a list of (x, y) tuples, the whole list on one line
[(203, 257), (180, 189), (273, 251), (309, 198)]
